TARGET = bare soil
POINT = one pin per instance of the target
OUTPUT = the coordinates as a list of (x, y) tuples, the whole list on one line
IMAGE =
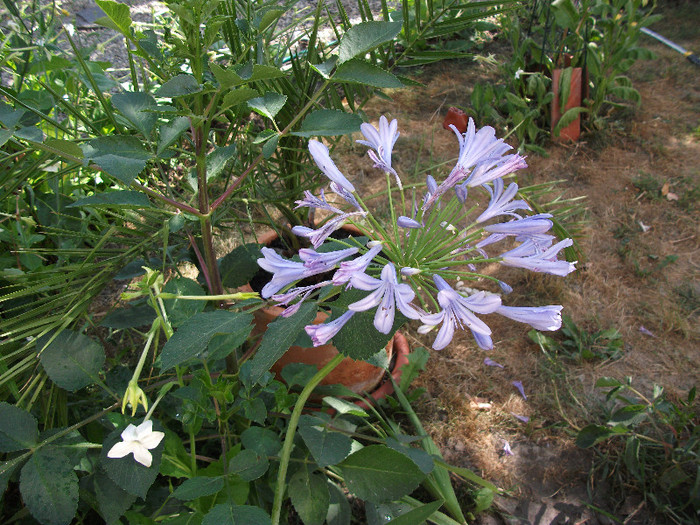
[(641, 242)]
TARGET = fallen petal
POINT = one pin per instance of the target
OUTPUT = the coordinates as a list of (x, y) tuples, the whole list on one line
[(519, 386)]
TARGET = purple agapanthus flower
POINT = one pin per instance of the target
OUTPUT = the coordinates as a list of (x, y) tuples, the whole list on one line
[(490, 362), (387, 294), (458, 311), (294, 293), (319, 235), (346, 195), (539, 317), (519, 386), (502, 202), (320, 334), (528, 256), (531, 225), (495, 168), (407, 222), (355, 266), (323, 160), (382, 141), (318, 203)]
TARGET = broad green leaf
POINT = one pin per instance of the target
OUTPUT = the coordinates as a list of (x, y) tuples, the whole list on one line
[(132, 106), (49, 487), (591, 435), (567, 118), (170, 132), (130, 317), (192, 338), (244, 73), (604, 382), (7, 469), (483, 499), (125, 198), (238, 96), (229, 514), (5, 135), (345, 407), (269, 18), (197, 487), (310, 496), (248, 464), (18, 428), (72, 360), (328, 122), (268, 105), (239, 265), (365, 36), (10, 116), (566, 14), (122, 157), (378, 474), (118, 16), (261, 440), (66, 147), (180, 310), (362, 72), (112, 500), (270, 146), (420, 457), (325, 68), (629, 415), (339, 512), (327, 448), (126, 472), (417, 515), (217, 159), (31, 133), (179, 86), (279, 336)]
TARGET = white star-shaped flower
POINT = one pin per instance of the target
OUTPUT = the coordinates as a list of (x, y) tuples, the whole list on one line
[(137, 440)]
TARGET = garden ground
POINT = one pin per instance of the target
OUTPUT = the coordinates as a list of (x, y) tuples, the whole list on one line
[(639, 275)]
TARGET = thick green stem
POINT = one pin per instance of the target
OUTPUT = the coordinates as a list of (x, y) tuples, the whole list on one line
[(291, 431)]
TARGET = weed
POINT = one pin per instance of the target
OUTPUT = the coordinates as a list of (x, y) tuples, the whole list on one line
[(580, 345), (649, 185)]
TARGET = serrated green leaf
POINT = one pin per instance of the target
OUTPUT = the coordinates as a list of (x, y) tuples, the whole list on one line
[(229, 514), (180, 310), (310, 496), (112, 501), (279, 336), (170, 132), (365, 36), (179, 86), (244, 73), (567, 118), (132, 106), (328, 122), (126, 472), (18, 428), (378, 474), (122, 157), (239, 265), (361, 72), (604, 382), (325, 68), (345, 407), (49, 487), (131, 317), (125, 198), (72, 360), (198, 487), (249, 465), (268, 105), (64, 146), (327, 448), (591, 435), (217, 159), (193, 336), (339, 512), (238, 96), (417, 515), (118, 16), (261, 440), (5, 135)]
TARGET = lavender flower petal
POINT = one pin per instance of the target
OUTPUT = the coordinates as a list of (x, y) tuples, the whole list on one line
[(320, 334), (407, 222), (490, 362), (539, 317), (545, 262), (501, 202), (323, 160), (534, 224), (355, 266), (519, 386)]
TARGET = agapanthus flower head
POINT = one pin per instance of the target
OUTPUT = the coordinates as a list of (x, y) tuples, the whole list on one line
[(528, 256), (502, 202), (319, 152)]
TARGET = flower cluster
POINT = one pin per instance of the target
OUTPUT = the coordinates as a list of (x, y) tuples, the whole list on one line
[(442, 237)]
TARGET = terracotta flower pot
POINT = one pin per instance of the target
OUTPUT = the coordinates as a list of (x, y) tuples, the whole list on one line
[(573, 130), (357, 376)]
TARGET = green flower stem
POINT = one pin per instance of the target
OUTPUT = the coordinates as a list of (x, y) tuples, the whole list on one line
[(239, 296), (291, 430)]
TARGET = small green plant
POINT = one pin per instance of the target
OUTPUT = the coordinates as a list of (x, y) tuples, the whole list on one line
[(580, 345), (651, 444)]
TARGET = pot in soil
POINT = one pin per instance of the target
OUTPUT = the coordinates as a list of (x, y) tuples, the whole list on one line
[(570, 88), (356, 375)]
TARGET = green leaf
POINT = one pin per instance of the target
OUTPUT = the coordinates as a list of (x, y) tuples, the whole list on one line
[(49, 487), (169, 133), (119, 16), (567, 118), (7, 469), (180, 310), (229, 514), (112, 500), (325, 68), (604, 382), (362, 37), (270, 146), (5, 135), (310, 496), (217, 159), (328, 122), (238, 96), (126, 472), (420, 457), (72, 360), (192, 338), (31, 133), (345, 407), (417, 515), (261, 440), (66, 147), (122, 157), (565, 13), (378, 474), (339, 512), (197, 487), (130, 317), (362, 72), (279, 336), (483, 500), (133, 106), (249, 465), (591, 435), (18, 429), (268, 105), (629, 415), (179, 86), (244, 73), (327, 448), (240, 265), (125, 198)]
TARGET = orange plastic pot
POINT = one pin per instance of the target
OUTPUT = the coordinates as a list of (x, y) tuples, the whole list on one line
[(573, 130)]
